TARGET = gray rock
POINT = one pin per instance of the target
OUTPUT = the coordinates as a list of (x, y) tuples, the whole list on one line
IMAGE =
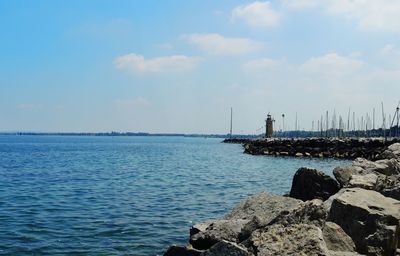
[(310, 212), (200, 227), (296, 239), (393, 151), (336, 239), (310, 184), (367, 181), (392, 166), (250, 227), (328, 203), (370, 166), (389, 186), (226, 248), (369, 218), (265, 206), (182, 251), (217, 231), (343, 173), (250, 214)]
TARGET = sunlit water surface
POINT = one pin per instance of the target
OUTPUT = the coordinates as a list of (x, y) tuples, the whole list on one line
[(124, 195)]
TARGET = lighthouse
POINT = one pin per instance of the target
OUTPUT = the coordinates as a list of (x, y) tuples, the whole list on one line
[(269, 130)]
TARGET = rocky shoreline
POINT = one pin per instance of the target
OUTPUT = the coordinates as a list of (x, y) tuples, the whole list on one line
[(347, 148), (357, 213)]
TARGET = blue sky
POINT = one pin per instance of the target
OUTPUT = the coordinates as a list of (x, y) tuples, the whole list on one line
[(178, 66)]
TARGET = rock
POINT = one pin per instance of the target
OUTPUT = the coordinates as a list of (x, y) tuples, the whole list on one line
[(369, 218), (392, 166), (367, 181), (296, 239), (265, 206), (370, 166), (182, 251), (328, 203), (200, 227), (310, 212), (343, 173), (217, 231), (226, 248), (384, 166), (299, 154), (249, 227), (389, 186), (250, 214), (336, 239), (309, 184), (393, 151), (260, 209)]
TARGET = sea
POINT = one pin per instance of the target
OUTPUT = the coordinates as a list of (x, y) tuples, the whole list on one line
[(111, 195)]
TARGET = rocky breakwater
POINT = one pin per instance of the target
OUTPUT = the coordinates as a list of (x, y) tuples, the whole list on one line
[(369, 148), (357, 213)]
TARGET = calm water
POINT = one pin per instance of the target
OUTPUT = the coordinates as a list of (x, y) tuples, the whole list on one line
[(124, 195)]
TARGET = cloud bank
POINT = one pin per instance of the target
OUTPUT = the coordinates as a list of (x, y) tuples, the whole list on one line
[(257, 14), (216, 44), (137, 63)]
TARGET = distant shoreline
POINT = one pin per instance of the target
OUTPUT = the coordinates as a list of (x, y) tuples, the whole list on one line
[(125, 134)]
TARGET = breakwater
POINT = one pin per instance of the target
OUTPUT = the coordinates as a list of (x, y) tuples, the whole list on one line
[(355, 213), (368, 148)]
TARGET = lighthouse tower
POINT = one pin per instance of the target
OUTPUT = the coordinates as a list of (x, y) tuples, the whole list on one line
[(269, 130)]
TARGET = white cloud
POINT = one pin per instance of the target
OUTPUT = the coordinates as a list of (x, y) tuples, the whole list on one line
[(370, 15), (264, 64), (382, 15), (217, 44), (137, 63), (257, 14), (300, 4), (331, 64), (390, 50)]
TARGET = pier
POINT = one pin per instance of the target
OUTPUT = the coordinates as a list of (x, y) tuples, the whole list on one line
[(350, 148)]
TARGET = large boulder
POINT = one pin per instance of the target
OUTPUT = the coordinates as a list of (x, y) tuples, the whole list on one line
[(367, 181), (264, 205), (370, 166), (311, 212), (249, 215), (343, 173), (392, 166), (369, 218), (336, 239), (216, 231), (200, 227), (311, 184), (226, 248), (296, 239), (389, 186), (393, 151)]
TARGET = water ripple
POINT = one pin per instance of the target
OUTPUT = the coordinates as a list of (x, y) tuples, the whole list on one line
[(124, 195)]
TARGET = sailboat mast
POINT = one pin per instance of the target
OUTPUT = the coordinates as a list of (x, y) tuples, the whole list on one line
[(230, 133)]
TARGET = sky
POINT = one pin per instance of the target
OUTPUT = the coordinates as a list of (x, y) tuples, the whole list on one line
[(179, 66)]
